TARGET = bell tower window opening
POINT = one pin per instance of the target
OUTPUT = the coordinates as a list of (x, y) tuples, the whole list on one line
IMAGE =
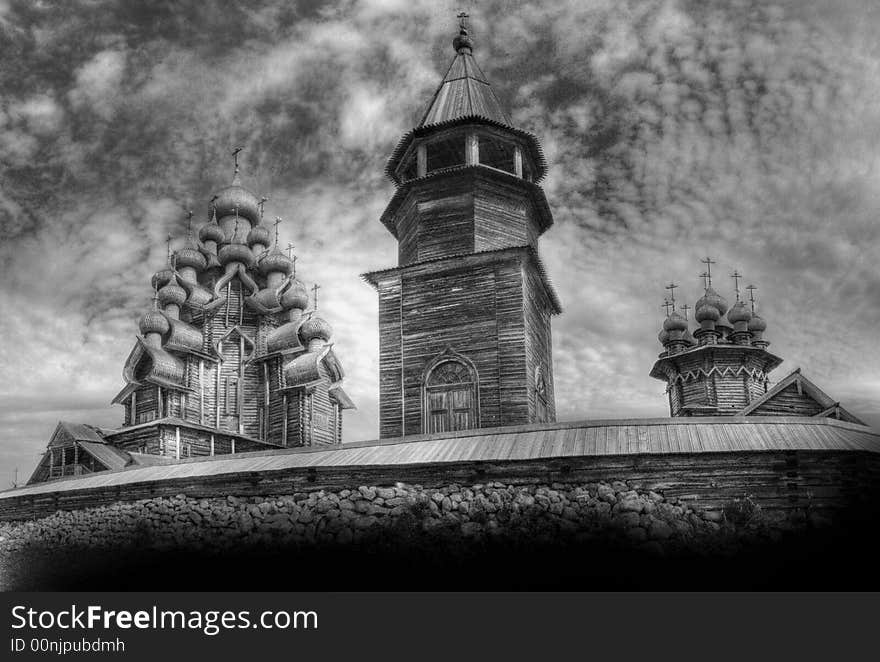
[(450, 397), (445, 153), (498, 154)]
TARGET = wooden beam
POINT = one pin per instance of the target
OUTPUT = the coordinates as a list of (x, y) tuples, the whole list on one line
[(212, 444), (201, 391), (284, 420), (421, 160), (177, 442), (517, 161), (472, 149)]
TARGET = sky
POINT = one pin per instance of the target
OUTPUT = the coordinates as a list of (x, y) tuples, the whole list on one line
[(675, 129)]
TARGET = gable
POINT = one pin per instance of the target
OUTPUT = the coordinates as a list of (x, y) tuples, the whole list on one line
[(789, 402), (795, 395)]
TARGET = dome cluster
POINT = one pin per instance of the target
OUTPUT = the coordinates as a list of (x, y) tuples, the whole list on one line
[(233, 242), (716, 322)]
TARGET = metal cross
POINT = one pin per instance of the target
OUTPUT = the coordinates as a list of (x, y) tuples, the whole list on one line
[(290, 248), (708, 261), (235, 156), (671, 287), (278, 220), (189, 222), (707, 281), (736, 275), (666, 304), (168, 247), (262, 202), (462, 20), (315, 289), (751, 289), (293, 259), (685, 308)]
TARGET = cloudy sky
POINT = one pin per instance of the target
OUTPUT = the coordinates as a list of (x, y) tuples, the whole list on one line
[(745, 130)]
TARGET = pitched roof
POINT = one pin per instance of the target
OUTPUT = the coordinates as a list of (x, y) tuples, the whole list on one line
[(659, 436), (111, 457), (78, 432), (825, 405), (464, 92)]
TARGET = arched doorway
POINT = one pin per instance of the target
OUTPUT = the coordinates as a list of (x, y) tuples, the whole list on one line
[(451, 397)]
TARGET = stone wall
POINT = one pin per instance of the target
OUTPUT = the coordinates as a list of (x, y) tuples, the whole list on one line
[(406, 517)]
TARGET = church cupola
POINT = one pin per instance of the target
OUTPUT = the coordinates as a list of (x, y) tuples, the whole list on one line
[(726, 368), (153, 325), (469, 297)]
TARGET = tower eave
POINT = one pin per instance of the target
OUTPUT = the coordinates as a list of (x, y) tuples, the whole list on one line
[(373, 277), (535, 150), (545, 216), (657, 371)]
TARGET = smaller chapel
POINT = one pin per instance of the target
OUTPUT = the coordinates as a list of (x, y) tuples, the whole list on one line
[(720, 367), (232, 356)]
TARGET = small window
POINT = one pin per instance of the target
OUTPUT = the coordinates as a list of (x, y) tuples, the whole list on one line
[(146, 416), (541, 414), (231, 399)]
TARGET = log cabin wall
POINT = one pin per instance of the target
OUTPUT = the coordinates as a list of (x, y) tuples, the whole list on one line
[(390, 357), (322, 416), (456, 308), (538, 344)]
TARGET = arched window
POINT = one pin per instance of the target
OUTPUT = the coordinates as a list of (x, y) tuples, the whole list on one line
[(450, 401)]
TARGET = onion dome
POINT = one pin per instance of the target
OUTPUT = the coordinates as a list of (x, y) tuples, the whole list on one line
[(236, 198), (295, 296), (757, 324), (463, 40), (154, 322), (739, 313), (172, 293), (712, 298), (315, 328), (212, 231), (706, 312), (236, 253), (258, 235), (675, 322), (161, 277), (191, 256), (276, 261)]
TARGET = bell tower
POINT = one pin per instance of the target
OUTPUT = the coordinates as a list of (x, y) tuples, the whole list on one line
[(464, 318)]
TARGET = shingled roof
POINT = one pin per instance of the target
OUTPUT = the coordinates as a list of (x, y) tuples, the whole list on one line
[(464, 92), (660, 436)]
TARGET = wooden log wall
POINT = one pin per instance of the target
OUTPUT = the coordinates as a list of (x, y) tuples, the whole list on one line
[(776, 480), (390, 357), (538, 340)]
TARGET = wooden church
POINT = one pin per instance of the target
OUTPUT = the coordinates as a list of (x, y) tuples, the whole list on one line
[(721, 367), (233, 355), (464, 317)]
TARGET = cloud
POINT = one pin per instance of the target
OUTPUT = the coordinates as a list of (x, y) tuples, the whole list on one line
[(98, 83)]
